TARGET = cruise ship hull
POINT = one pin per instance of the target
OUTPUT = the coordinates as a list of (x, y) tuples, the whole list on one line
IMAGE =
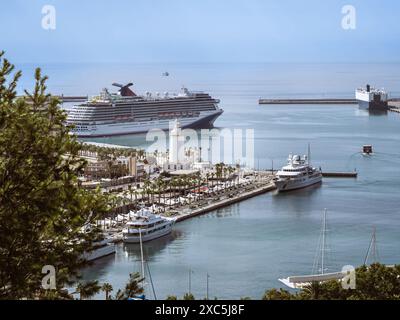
[(204, 120), (293, 184)]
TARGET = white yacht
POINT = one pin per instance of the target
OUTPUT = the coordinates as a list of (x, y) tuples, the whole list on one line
[(146, 226), (298, 173), (101, 248)]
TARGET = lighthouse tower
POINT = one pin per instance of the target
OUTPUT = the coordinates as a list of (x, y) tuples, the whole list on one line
[(176, 142)]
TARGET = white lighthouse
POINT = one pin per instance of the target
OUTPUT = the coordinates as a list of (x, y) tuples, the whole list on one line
[(176, 144)]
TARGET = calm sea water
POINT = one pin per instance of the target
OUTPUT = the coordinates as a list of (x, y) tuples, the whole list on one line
[(246, 247)]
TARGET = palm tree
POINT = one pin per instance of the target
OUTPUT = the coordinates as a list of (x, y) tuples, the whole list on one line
[(146, 189), (160, 189), (131, 192), (133, 287), (313, 290), (212, 180), (88, 289), (188, 296), (172, 185), (107, 288)]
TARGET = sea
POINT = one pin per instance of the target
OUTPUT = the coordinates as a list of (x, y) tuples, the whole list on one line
[(243, 249)]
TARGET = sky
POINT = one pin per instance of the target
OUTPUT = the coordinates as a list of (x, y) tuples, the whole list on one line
[(197, 31)]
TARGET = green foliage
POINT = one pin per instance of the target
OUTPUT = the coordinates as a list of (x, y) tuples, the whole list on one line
[(375, 282), (88, 289), (280, 294), (42, 207), (188, 296), (171, 298), (133, 287), (107, 288)]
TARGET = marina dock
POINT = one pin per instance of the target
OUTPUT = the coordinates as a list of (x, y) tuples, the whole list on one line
[(352, 174), (226, 202), (394, 102), (72, 98), (394, 110)]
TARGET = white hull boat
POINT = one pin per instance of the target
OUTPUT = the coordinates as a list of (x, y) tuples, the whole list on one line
[(298, 173), (146, 226)]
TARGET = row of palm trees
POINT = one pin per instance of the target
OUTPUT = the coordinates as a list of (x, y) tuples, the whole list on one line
[(183, 184), (165, 188), (133, 288), (104, 151)]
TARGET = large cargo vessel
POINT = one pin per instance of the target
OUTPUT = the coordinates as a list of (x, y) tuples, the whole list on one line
[(125, 112), (371, 98)]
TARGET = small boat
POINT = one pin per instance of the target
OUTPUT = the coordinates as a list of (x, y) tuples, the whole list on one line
[(146, 226), (298, 173), (367, 150), (165, 74), (100, 249)]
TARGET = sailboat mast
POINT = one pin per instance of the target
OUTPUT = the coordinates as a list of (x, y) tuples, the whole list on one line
[(323, 244), (372, 246), (151, 281), (141, 251)]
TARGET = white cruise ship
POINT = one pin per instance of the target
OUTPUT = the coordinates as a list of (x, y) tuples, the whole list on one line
[(298, 173), (147, 226), (126, 113), (371, 98)]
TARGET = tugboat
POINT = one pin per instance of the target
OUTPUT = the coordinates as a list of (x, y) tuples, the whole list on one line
[(367, 150), (298, 173)]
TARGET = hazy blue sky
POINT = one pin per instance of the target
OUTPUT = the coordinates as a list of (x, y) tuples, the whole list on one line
[(200, 31)]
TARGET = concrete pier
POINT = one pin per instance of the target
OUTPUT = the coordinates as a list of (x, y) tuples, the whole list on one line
[(394, 102), (307, 101), (226, 202), (72, 98), (353, 174)]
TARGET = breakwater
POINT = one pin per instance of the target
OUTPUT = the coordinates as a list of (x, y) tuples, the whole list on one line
[(307, 101)]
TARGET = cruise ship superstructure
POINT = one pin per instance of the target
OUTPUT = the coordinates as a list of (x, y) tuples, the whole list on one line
[(125, 112), (371, 98)]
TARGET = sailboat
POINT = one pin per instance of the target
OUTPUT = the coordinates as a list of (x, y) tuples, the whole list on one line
[(372, 249), (143, 296), (319, 266)]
